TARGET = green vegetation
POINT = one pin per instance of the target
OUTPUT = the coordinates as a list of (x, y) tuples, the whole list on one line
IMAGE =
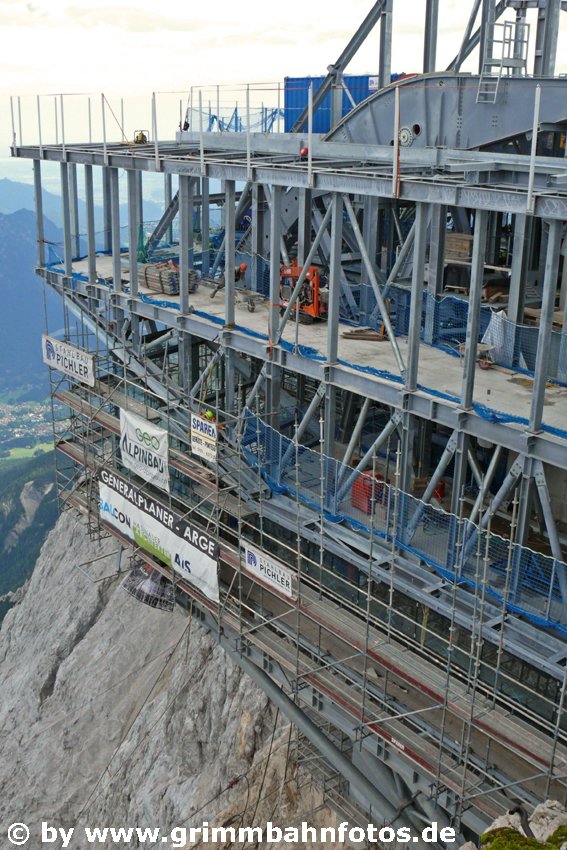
[(510, 839), (26, 452)]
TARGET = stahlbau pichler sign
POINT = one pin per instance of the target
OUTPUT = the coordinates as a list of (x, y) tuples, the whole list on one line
[(144, 449), (268, 570), (156, 529), (68, 359)]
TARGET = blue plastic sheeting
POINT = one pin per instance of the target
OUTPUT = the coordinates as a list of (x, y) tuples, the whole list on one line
[(522, 581)]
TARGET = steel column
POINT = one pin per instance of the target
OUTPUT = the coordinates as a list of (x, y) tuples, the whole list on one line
[(66, 214), (74, 210), (545, 324), (436, 268), (133, 230), (114, 206), (229, 236), (185, 226), (39, 212), (91, 244), (375, 285), (385, 55), (106, 209), (473, 315), (205, 226), (418, 275), (430, 39)]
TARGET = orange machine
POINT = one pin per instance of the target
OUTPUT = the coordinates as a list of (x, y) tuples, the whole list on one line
[(313, 299)]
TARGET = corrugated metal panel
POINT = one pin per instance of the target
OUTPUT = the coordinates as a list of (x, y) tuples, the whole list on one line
[(296, 90)]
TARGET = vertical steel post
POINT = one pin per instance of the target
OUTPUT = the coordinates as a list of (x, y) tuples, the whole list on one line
[(473, 315), (205, 226), (106, 209), (74, 209), (115, 228), (229, 264), (385, 55), (430, 39), (545, 324), (39, 127), (39, 212), (133, 229), (436, 269), (185, 224), (418, 275), (530, 202), (91, 244), (67, 238)]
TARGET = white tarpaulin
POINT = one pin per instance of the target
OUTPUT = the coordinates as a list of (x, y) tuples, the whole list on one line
[(68, 359), (269, 570), (203, 438), (144, 449), (155, 528)]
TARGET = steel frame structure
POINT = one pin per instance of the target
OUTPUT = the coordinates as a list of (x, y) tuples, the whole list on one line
[(430, 682)]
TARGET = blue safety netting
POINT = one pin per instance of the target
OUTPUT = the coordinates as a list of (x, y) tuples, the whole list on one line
[(526, 582), (444, 325)]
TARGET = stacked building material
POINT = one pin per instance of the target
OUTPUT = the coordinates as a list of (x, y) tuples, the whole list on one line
[(164, 277)]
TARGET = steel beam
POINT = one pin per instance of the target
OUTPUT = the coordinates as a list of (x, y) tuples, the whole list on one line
[(415, 319), (183, 204), (545, 325), (74, 210), (133, 230), (375, 286), (339, 66), (430, 38), (385, 54), (114, 207), (39, 212), (91, 244), (473, 315), (66, 215), (386, 432), (229, 235)]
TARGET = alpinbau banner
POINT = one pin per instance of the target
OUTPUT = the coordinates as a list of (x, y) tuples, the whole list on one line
[(156, 529), (144, 449), (74, 362)]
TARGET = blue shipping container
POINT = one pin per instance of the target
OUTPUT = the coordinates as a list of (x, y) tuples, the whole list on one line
[(296, 92)]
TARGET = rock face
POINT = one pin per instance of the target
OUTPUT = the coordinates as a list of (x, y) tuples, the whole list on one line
[(113, 713)]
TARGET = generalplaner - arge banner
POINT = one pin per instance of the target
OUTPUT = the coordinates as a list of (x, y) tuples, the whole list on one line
[(153, 527)]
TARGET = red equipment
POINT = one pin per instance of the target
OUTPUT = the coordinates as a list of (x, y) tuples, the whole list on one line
[(313, 298)]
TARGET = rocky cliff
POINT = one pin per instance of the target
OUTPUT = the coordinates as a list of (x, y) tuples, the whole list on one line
[(113, 713)]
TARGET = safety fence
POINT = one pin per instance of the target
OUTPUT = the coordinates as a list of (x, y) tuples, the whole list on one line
[(520, 580), (444, 325)]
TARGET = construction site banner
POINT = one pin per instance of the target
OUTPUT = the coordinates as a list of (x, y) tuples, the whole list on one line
[(159, 531), (68, 359), (203, 438), (269, 570), (144, 449)]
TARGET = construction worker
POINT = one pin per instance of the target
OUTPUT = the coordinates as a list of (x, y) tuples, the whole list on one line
[(239, 275), (209, 415)]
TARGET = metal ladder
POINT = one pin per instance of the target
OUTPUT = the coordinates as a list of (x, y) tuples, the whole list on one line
[(509, 56)]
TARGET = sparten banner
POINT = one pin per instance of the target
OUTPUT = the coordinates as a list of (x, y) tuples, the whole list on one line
[(155, 528), (203, 438), (69, 359), (144, 449), (269, 570)]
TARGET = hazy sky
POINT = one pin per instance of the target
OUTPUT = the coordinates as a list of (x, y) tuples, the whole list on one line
[(136, 47)]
